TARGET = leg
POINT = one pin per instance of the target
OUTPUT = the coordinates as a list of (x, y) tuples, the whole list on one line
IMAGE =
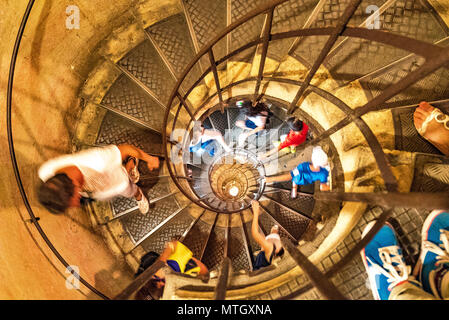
[(221, 140), (142, 201), (268, 154), (131, 167), (280, 178), (433, 265), (294, 190), (432, 125)]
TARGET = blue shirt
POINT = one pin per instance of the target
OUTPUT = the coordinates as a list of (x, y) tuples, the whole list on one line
[(302, 174)]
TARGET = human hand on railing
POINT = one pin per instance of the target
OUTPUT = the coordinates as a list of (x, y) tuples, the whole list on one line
[(152, 163)]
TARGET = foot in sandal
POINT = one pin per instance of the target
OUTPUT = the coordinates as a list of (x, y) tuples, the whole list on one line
[(433, 125)]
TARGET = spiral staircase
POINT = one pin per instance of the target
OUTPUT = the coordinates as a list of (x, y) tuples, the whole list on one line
[(317, 60)]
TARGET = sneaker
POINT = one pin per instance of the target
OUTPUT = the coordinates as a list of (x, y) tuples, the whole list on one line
[(276, 143), (144, 205), (292, 149), (434, 258), (134, 174), (384, 262)]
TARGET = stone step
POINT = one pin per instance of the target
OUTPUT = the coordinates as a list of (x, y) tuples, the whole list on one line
[(145, 65)]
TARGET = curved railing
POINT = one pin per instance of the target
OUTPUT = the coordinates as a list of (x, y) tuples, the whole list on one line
[(435, 57)]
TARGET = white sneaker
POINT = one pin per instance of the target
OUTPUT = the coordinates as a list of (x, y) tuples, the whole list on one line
[(144, 205)]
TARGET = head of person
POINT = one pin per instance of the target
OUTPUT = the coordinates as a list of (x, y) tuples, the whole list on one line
[(256, 109), (319, 157), (155, 286), (294, 124), (274, 238), (58, 193)]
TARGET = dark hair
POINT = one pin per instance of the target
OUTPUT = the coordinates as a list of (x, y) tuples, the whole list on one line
[(56, 192), (294, 124)]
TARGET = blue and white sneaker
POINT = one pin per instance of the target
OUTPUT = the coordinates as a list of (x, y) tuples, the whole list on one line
[(384, 261), (434, 257)]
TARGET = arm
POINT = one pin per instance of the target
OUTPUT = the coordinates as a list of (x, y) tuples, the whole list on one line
[(269, 153), (279, 178), (216, 135), (324, 187), (127, 150), (257, 236)]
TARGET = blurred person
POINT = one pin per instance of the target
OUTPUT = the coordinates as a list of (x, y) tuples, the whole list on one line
[(99, 173), (203, 140)]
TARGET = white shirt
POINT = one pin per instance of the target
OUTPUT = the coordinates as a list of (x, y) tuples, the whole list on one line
[(102, 169)]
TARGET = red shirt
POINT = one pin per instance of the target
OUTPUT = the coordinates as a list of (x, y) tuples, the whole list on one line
[(295, 138)]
